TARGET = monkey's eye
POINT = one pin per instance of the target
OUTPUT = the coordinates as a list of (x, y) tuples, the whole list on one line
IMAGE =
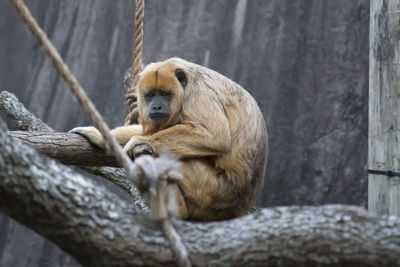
[(151, 94), (181, 76), (165, 93)]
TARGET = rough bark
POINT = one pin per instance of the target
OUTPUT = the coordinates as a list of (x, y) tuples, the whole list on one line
[(73, 149), (18, 114), (68, 148), (23, 119), (117, 176), (99, 228)]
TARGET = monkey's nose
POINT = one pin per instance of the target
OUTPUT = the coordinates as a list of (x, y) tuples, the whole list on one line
[(156, 107)]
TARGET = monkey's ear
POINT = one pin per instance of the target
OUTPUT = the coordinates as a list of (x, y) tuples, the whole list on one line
[(182, 78)]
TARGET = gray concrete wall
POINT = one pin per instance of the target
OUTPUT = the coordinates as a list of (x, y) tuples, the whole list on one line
[(304, 61)]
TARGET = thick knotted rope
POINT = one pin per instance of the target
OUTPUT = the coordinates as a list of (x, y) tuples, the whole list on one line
[(131, 96)]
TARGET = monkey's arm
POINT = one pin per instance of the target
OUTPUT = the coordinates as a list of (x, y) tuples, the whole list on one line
[(204, 131), (186, 140), (122, 134)]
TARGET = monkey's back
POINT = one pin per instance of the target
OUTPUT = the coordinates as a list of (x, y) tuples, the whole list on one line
[(243, 165)]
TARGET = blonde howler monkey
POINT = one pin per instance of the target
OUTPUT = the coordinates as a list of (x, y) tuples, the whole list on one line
[(212, 124)]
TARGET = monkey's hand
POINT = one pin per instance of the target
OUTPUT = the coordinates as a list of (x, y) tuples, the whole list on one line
[(138, 146), (92, 134)]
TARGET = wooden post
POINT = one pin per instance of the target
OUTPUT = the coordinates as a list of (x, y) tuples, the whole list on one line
[(384, 107)]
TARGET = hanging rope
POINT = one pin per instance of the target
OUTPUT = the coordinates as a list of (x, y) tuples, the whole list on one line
[(135, 172), (131, 96)]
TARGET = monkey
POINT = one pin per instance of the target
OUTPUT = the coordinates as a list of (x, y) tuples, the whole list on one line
[(212, 124)]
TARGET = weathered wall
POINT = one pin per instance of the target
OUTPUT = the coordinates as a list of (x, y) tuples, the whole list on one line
[(305, 62)]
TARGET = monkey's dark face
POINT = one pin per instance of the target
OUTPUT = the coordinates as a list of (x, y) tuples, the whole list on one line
[(160, 90), (158, 102)]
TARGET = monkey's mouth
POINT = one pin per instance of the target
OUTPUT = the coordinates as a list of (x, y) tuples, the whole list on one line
[(159, 116)]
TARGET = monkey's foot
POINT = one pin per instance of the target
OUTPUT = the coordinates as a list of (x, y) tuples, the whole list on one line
[(92, 134), (137, 147)]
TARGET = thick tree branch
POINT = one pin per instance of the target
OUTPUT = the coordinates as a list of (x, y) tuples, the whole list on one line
[(68, 148), (64, 206), (73, 149), (117, 176), (25, 120), (99, 228)]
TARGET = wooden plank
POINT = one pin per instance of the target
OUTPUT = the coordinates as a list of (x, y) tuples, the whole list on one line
[(384, 106), (378, 197)]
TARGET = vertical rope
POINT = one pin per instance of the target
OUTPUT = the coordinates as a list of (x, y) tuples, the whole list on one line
[(131, 96)]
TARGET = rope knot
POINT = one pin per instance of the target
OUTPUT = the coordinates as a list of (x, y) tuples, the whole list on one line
[(155, 173)]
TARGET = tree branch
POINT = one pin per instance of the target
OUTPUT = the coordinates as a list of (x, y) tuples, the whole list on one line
[(25, 120), (99, 228), (73, 149), (117, 176), (60, 204), (68, 148)]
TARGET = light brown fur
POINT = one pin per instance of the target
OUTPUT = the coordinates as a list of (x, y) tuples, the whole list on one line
[(217, 130)]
